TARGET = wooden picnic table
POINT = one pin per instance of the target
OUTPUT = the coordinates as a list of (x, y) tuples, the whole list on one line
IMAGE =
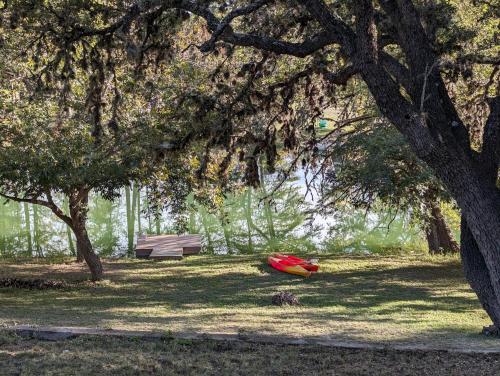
[(162, 247)]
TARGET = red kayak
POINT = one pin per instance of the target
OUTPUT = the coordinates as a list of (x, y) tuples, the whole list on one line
[(308, 264), (292, 264)]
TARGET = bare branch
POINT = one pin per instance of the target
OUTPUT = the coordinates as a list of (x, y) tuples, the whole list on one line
[(49, 204), (341, 76), (333, 24), (224, 23), (25, 199), (303, 49)]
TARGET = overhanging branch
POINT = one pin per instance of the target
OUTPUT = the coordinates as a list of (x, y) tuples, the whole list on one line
[(25, 199), (49, 204)]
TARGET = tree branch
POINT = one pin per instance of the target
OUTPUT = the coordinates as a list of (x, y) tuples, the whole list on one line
[(221, 29), (411, 35), (412, 38), (400, 73), (49, 204), (342, 76), (490, 154), (366, 33), (25, 199), (333, 24), (302, 49), (224, 23), (57, 211)]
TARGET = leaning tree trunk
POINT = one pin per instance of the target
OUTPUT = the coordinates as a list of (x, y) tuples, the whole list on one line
[(477, 273), (438, 233), (78, 207), (479, 201), (79, 255), (470, 182), (84, 247)]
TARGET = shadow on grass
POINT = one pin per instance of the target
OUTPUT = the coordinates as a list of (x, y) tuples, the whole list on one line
[(370, 292)]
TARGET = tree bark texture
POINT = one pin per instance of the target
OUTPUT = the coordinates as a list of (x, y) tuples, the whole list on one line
[(78, 207)]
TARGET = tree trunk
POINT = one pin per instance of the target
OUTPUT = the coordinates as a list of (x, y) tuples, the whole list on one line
[(139, 225), (84, 247), (227, 238), (130, 221), (78, 208), (438, 233), (268, 213), (158, 222), (248, 218), (68, 231), (148, 212), (192, 222), (28, 228), (206, 227), (71, 245), (469, 181), (79, 255), (480, 204), (36, 231), (477, 273), (479, 201), (226, 230)]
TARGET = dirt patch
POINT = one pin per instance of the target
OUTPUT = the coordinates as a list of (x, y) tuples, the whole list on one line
[(112, 356)]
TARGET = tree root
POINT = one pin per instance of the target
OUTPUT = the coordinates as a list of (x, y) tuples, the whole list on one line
[(38, 284), (491, 331)]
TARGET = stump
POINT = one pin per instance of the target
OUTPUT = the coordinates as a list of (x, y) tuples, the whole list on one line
[(285, 298)]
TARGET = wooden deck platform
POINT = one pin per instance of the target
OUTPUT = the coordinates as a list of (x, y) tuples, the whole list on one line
[(162, 247)]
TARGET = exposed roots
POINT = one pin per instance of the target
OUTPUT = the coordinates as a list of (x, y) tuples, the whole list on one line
[(491, 331), (38, 284)]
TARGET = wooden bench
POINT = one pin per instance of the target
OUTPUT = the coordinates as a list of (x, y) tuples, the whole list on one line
[(163, 247)]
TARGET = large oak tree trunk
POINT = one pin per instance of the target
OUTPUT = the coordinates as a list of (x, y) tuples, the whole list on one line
[(469, 181), (477, 273), (479, 201), (438, 233)]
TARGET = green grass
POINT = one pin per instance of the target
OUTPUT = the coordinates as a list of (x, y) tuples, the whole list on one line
[(116, 356), (412, 299)]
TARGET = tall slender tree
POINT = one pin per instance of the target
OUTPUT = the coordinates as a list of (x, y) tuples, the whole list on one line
[(27, 223)]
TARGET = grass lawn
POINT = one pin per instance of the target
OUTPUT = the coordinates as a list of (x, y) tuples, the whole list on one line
[(403, 299), (115, 356)]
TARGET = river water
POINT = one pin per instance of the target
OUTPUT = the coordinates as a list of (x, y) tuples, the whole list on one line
[(27, 229)]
